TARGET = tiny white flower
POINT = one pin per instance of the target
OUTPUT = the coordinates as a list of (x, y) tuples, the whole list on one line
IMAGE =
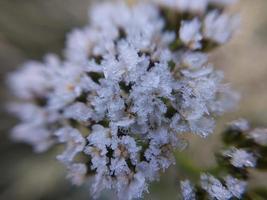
[(74, 143), (78, 111), (240, 124), (37, 136), (214, 187), (219, 27), (187, 190), (259, 136), (235, 186), (190, 33), (240, 158)]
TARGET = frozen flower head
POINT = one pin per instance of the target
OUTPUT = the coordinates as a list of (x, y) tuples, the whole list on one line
[(130, 84)]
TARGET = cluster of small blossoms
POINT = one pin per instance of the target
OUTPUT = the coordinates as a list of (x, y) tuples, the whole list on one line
[(130, 83), (244, 151)]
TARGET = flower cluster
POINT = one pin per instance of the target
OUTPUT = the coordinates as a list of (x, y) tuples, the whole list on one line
[(244, 152), (131, 82)]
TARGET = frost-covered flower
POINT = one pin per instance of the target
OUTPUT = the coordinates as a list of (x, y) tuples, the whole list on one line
[(74, 141), (219, 27), (190, 33), (129, 85), (235, 186), (216, 190), (259, 135), (214, 187), (241, 158), (240, 125), (187, 190), (194, 6)]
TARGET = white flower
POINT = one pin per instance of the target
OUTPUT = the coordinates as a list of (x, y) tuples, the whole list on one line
[(78, 111), (240, 125), (131, 186), (99, 140), (74, 143), (194, 6), (187, 190), (124, 93), (235, 186), (214, 188), (219, 27), (37, 136), (31, 81), (190, 33), (79, 44), (240, 158), (259, 136)]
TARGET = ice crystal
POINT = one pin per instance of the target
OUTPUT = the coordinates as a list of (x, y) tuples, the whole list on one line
[(128, 86)]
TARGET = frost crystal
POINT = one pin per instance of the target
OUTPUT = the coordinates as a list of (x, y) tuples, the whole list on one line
[(130, 83)]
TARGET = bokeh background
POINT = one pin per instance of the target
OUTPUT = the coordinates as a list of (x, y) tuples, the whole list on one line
[(31, 28)]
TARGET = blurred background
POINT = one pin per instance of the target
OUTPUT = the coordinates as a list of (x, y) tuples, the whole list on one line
[(31, 28)]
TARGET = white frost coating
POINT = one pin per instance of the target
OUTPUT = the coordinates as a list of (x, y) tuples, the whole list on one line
[(190, 33), (194, 6), (74, 141), (122, 95), (235, 186), (187, 190), (241, 158), (216, 190), (78, 111), (214, 187), (240, 125), (219, 27), (259, 135)]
